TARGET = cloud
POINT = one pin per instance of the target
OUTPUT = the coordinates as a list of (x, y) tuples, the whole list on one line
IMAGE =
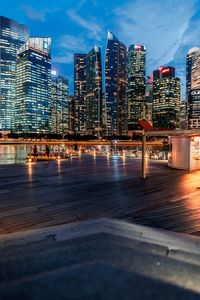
[(91, 25), (71, 42), (67, 45), (160, 25), (38, 15), (64, 58), (33, 14)]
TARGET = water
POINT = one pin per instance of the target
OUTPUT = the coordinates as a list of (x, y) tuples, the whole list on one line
[(14, 154)]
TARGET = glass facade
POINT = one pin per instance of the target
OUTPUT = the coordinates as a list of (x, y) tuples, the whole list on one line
[(33, 87), (94, 91), (71, 123), (59, 105), (115, 86), (149, 98), (136, 85), (12, 37), (80, 92), (166, 98), (193, 87)]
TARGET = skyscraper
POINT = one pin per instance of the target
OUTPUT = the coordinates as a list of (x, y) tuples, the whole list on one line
[(115, 86), (183, 115), (59, 105), (193, 87), (71, 114), (136, 85), (166, 98), (33, 86), (149, 98), (12, 35), (80, 92), (94, 91)]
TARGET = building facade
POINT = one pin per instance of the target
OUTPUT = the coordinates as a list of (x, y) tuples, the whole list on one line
[(59, 105), (149, 99), (183, 115), (94, 92), (71, 115), (33, 86), (166, 98), (136, 85), (193, 87), (12, 36), (115, 86), (80, 92)]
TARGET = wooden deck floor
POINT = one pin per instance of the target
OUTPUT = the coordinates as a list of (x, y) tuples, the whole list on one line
[(47, 194)]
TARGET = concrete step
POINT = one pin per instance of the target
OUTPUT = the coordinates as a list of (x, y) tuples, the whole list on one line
[(53, 257)]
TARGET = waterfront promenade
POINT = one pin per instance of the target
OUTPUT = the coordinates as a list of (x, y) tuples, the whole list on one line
[(59, 192)]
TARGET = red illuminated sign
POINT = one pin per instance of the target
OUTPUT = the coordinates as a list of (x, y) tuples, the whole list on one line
[(160, 69), (138, 47), (166, 70)]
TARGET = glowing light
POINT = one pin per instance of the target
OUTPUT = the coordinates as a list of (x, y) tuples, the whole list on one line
[(165, 70), (54, 72)]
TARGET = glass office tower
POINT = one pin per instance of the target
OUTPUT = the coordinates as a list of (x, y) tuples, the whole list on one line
[(12, 36), (33, 86), (94, 91), (115, 86), (193, 87), (166, 98), (136, 85), (59, 105), (80, 92)]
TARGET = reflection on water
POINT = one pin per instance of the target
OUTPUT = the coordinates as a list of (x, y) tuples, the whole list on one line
[(11, 154)]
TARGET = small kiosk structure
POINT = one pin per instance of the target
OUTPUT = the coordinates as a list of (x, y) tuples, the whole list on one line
[(184, 151), (184, 147)]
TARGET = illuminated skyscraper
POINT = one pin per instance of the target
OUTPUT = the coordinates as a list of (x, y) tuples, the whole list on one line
[(94, 91), (166, 98), (71, 115), (136, 85), (183, 115), (12, 36), (33, 86), (115, 86), (59, 105), (80, 92), (149, 98), (193, 87)]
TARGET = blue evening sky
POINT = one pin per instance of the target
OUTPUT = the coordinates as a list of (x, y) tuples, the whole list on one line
[(168, 28)]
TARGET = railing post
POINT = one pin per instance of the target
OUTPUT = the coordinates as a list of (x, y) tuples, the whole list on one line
[(144, 166)]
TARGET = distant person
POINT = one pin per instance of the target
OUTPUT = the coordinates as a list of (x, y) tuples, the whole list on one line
[(35, 152), (76, 147), (47, 150)]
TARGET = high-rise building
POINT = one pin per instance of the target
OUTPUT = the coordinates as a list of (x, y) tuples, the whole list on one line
[(193, 87), (94, 91), (59, 105), (136, 85), (12, 36), (183, 115), (71, 115), (149, 98), (166, 98), (115, 86), (80, 92), (33, 86)]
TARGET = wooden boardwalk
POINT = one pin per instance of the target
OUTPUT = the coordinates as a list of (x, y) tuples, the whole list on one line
[(47, 194)]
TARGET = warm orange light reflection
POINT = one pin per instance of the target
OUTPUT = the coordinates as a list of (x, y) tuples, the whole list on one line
[(190, 198)]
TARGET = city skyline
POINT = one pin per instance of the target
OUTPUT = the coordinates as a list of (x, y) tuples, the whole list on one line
[(74, 30)]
